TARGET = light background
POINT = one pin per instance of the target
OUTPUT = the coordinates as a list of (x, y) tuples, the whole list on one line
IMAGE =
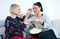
[(51, 7)]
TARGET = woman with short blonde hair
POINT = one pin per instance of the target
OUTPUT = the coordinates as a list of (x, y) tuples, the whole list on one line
[(14, 25), (13, 8)]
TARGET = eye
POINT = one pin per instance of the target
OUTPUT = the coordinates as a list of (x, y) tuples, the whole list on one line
[(19, 9), (34, 8)]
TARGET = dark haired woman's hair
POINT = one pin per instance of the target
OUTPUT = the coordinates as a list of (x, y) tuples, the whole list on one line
[(39, 4)]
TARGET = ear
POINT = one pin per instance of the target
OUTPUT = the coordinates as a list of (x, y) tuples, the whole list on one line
[(40, 8)]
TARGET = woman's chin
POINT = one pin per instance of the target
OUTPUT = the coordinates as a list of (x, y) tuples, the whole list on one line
[(36, 13)]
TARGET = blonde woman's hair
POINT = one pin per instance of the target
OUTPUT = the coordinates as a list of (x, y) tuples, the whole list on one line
[(13, 7)]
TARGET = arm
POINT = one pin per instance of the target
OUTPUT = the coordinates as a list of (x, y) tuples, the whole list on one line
[(39, 21), (47, 22), (22, 26), (28, 13), (20, 23), (7, 24)]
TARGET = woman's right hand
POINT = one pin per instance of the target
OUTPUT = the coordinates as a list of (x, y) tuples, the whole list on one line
[(29, 10), (26, 21)]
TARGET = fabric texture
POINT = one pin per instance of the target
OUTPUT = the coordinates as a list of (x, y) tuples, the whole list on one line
[(14, 27)]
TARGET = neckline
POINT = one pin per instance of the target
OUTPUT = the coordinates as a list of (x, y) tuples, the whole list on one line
[(11, 17), (39, 17)]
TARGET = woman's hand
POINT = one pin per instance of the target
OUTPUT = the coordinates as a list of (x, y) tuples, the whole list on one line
[(29, 10), (38, 21), (26, 21), (28, 13)]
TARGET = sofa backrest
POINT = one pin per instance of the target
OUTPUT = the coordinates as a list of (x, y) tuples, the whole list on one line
[(2, 28), (2, 23), (56, 24)]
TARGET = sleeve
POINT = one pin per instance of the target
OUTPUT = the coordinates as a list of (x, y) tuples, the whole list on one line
[(47, 22), (22, 26), (31, 19), (7, 24)]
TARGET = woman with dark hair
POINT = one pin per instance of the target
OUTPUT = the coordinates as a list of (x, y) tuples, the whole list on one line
[(39, 5), (42, 21)]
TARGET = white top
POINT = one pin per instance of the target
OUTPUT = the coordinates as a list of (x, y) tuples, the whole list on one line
[(47, 23)]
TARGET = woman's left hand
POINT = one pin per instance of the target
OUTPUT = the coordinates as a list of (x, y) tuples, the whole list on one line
[(29, 10)]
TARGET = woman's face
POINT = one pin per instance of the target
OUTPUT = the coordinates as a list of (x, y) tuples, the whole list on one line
[(36, 9), (17, 11)]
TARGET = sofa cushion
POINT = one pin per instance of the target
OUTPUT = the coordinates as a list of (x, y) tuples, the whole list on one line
[(2, 23), (2, 30)]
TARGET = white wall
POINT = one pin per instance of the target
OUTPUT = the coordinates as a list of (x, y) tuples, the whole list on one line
[(51, 7)]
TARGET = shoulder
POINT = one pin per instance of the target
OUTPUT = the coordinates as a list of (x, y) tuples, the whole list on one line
[(45, 15), (8, 18)]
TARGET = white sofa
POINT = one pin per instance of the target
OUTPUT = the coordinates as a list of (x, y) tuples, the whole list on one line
[(56, 24), (2, 29)]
